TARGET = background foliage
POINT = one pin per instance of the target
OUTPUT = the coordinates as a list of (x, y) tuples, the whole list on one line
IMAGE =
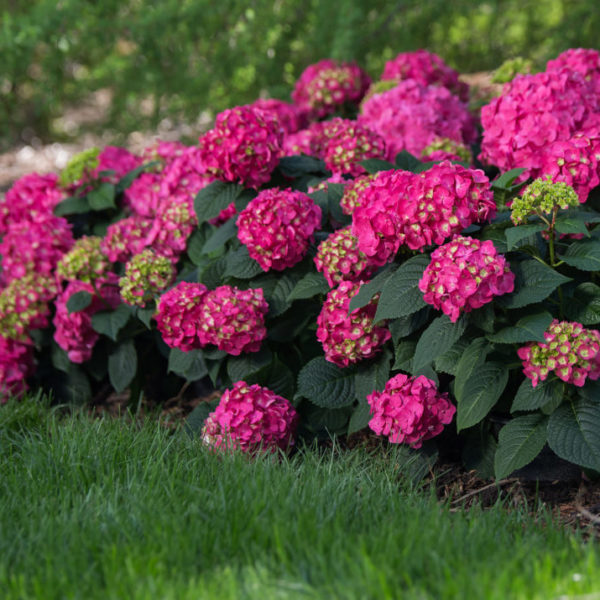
[(179, 58)]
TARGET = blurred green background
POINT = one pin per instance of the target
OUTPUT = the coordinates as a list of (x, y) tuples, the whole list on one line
[(182, 58)]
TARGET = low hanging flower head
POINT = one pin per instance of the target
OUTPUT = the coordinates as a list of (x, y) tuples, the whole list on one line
[(277, 227), (146, 274), (16, 364), (543, 198), (251, 418), (349, 338), (570, 351), (463, 275), (409, 410)]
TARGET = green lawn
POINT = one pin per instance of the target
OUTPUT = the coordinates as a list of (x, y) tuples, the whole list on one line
[(100, 509)]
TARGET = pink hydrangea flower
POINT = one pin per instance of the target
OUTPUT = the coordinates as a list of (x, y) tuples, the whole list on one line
[(445, 199), (233, 320), (585, 61), (143, 195), (119, 160), (327, 85), (463, 275), (349, 338), (251, 418), (73, 331), (178, 315), (570, 350), (24, 305), (16, 364), (164, 151), (244, 146), (409, 410), (352, 193), (339, 258), (277, 227), (533, 112), (31, 198), (34, 247), (349, 144), (377, 221), (290, 118), (572, 162), (412, 116), (125, 238), (428, 69)]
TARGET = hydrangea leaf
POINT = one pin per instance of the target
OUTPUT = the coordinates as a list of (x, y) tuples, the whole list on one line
[(326, 384)]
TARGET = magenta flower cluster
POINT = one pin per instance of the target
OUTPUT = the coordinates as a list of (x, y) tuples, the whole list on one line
[(16, 364), (244, 146), (251, 418), (352, 192), (349, 338), (570, 351), (465, 274), (189, 317), (277, 227), (428, 69), (409, 410), (327, 85), (411, 116), (339, 258)]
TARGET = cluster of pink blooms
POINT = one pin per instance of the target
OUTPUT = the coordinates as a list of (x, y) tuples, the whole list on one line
[(277, 227), (251, 418), (445, 149), (411, 116), (349, 144), (243, 147), (418, 210), (146, 274), (570, 350), (327, 85), (465, 274), (190, 317), (233, 320), (24, 305), (32, 198), (409, 410), (16, 364), (548, 123), (289, 116), (73, 330), (352, 193), (582, 60), (426, 68), (84, 261), (339, 258), (349, 338)]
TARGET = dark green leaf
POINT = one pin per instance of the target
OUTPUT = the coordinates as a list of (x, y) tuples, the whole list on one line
[(479, 451), (215, 197), (484, 318), (372, 375), (534, 282), (102, 197), (281, 380), (213, 274), (72, 206), (219, 236), (519, 442), (77, 387), (360, 417), (122, 365), (245, 197), (407, 162), (295, 166), (195, 244), (195, 421), (242, 368), (79, 301), (240, 265), (583, 255), (110, 322), (584, 305), (278, 299), (574, 432), (480, 393), (189, 365), (527, 329), (326, 384), (448, 362), (468, 364), (374, 165), (572, 224), (516, 234), (400, 295), (145, 314), (532, 398), (404, 326), (130, 177), (335, 192), (437, 339), (405, 350), (370, 288), (505, 181), (312, 284), (59, 357)]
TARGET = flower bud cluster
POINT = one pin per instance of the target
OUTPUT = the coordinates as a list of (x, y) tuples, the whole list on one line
[(84, 261), (146, 274), (352, 192)]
